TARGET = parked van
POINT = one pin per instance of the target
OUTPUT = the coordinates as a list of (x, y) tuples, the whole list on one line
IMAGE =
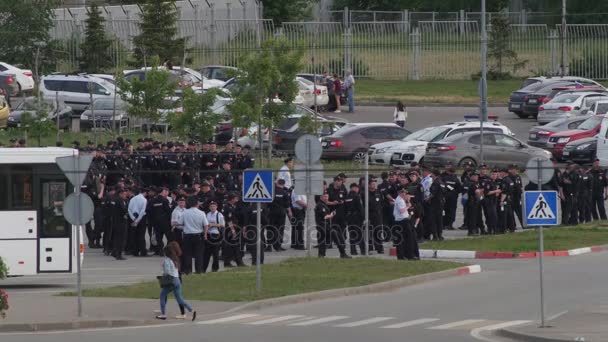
[(76, 90)]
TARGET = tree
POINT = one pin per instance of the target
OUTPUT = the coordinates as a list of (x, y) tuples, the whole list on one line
[(37, 125), (196, 121), (24, 27), (499, 46), (158, 35), (264, 75), (96, 56), (293, 10), (146, 98)]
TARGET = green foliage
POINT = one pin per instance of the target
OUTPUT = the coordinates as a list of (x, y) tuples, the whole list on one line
[(146, 97), (96, 47), (23, 26), (499, 46), (196, 121), (158, 35), (38, 125), (3, 269), (336, 65), (262, 75), (283, 11)]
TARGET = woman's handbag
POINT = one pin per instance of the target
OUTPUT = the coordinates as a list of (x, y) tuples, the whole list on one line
[(165, 281)]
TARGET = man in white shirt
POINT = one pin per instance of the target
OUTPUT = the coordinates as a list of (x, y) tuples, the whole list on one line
[(213, 237), (284, 173), (194, 223), (299, 205), (405, 237), (177, 226), (137, 231)]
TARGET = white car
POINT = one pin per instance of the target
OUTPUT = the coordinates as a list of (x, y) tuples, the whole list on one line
[(307, 91), (196, 78), (25, 78), (76, 90), (413, 147), (568, 105)]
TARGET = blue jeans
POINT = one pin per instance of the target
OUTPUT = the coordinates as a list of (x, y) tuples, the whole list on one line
[(177, 291), (350, 96)]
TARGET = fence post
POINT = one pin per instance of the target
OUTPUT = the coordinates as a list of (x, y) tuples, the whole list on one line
[(433, 18), (129, 42), (347, 43), (213, 29), (553, 37), (229, 17), (415, 41), (461, 22), (197, 25), (405, 18)]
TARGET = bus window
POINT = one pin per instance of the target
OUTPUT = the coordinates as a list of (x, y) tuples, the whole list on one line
[(4, 194), (22, 184), (53, 222)]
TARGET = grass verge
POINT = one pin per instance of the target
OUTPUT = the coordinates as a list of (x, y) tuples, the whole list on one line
[(290, 277), (433, 91), (555, 239)]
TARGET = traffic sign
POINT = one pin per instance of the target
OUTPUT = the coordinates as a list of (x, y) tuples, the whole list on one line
[(308, 148), (75, 167), (309, 179), (258, 186), (539, 167), (78, 208), (540, 208)]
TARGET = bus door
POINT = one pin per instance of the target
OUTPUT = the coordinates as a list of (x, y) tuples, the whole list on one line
[(55, 247)]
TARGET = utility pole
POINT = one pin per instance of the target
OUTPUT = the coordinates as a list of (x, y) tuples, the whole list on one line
[(563, 40), (483, 86)]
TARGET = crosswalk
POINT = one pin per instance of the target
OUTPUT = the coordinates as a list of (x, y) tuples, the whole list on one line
[(341, 321)]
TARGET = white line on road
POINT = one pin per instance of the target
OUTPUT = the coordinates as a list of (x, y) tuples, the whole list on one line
[(477, 333), (276, 319), (456, 324), (364, 322), (410, 323), (318, 321), (228, 319)]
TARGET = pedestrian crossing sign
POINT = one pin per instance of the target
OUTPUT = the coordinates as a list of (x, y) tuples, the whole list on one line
[(258, 186), (540, 208)]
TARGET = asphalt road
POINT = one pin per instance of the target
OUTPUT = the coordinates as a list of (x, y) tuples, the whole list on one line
[(421, 117), (455, 309)]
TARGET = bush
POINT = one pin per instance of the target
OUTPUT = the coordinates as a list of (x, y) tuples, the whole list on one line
[(3, 269), (3, 304)]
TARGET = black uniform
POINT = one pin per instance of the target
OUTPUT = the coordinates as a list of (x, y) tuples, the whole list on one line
[(517, 196), (232, 237), (354, 219), (120, 214), (249, 213), (339, 220), (489, 204), (506, 219), (375, 207), (474, 194), (159, 216), (453, 188), (569, 181), (435, 214), (278, 211), (106, 223), (325, 227), (600, 182), (584, 193)]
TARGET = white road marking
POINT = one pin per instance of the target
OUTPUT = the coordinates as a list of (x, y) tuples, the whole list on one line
[(410, 323), (477, 332), (318, 321), (456, 324), (276, 320), (364, 322), (228, 319)]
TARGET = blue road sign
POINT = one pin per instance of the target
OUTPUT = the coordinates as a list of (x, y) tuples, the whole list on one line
[(540, 208), (258, 186)]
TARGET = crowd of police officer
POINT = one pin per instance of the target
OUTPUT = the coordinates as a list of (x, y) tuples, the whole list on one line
[(145, 187)]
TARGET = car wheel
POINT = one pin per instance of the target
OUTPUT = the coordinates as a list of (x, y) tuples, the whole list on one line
[(359, 156), (466, 161)]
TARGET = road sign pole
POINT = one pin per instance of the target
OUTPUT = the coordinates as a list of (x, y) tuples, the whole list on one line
[(541, 251), (258, 247), (366, 237), (79, 227), (308, 190)]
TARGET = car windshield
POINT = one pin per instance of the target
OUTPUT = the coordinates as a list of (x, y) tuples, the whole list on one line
[(533, 87), (32, 104), (602, 108), (590, 123), (529, 81), (428, 135), (566, 98), (305, 81)]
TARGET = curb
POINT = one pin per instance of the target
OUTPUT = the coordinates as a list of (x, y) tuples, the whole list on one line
[(512, 334), (73, 325), (392, 104), (456, 254), (387, 286)]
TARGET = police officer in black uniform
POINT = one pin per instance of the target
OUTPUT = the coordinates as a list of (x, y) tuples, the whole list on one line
[(436, 201), (474, 198), (323, 218), (354, 218), (232, 233), (584, 194), (569, 181), (159, 216), (337, 195), (107, 206), (517, 192), (279, 208), (119, 223), (506, 216), (375, 216), (453, 188), (600, 185)]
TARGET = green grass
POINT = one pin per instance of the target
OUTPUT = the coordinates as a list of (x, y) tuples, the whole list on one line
[(290, 277), (555, 239), (433, 91)]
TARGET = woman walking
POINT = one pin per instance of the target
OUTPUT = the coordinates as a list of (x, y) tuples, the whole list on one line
[(171, 265), (337, 92), (400, 114)]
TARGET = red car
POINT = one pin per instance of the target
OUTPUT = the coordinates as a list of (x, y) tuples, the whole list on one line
[(588, 128)]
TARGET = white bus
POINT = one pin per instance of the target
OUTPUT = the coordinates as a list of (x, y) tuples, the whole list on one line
[(34, 236)]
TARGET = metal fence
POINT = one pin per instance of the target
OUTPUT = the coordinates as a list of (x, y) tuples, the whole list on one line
[(396, 49)]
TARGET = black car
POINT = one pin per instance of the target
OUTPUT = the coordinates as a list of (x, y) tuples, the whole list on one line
[(541, 96), (51, 108), (518, 98), (581, 151), (285, 139)]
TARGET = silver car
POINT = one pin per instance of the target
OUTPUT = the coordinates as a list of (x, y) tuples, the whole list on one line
[(538, 136), (499, 150)]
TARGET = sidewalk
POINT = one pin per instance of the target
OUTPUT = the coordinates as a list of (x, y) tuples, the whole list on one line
[(582, 325)]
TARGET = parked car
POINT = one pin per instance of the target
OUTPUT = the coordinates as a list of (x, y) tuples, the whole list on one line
[(534, 100), (538, 136), (103, 113), (218, 72), (516, 100), (354, 140), (284, 140), (413, 147), (8, 86), (307, 91), (75, 90), (51, 108), (500, 150), (581, 150), (599, 107), (231, 87), (24, 78), (318, 79), (568, 105), (4, 112), (588, 128)]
